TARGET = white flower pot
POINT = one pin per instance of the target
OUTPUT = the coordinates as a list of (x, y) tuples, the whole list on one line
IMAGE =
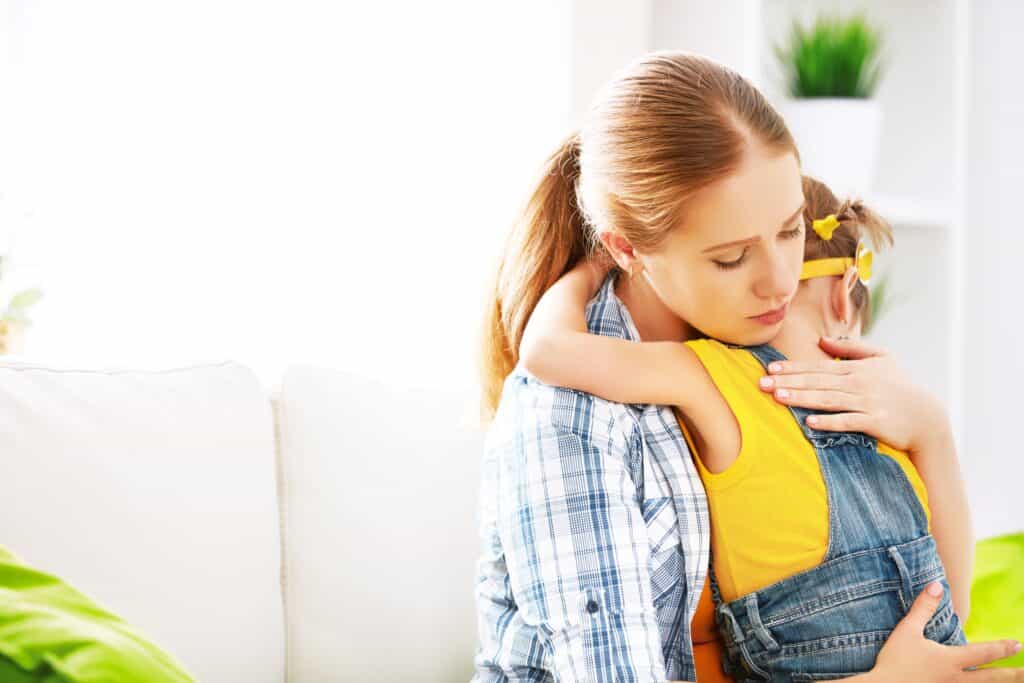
[(838, 139)]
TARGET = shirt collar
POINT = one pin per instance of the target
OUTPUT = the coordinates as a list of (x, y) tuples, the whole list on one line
[(607, 315)]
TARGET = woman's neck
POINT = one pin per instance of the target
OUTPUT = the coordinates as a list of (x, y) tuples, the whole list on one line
[(654, 320)]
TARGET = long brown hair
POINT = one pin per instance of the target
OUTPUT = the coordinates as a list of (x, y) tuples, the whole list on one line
[(662, 128), (856, 221)]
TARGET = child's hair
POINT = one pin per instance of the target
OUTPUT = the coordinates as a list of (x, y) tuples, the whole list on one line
[(856, 221)]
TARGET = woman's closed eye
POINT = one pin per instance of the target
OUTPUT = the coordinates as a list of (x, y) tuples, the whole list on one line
[(794, 233), (737, 262)]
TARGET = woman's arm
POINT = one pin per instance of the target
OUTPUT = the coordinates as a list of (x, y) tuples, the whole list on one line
[(558, 350), (951, 519)]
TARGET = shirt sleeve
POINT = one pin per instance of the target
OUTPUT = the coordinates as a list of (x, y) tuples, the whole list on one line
[(574, 537)]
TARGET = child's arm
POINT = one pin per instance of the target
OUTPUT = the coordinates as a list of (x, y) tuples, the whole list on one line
[(557, 349), (939, 468)]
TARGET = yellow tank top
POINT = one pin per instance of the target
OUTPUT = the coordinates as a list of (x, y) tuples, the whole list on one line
[(769, 508)]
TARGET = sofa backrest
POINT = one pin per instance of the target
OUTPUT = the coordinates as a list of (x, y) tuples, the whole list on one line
[(153, 492), (379, 503)]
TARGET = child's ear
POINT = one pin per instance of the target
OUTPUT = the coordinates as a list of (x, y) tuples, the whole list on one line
[(842, 299)]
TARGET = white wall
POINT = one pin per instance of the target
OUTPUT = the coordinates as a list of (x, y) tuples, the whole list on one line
[(605, 36), (994, 243), (728, 31), (272, 182)]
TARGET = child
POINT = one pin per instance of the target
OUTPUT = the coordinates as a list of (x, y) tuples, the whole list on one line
[(820, 540)]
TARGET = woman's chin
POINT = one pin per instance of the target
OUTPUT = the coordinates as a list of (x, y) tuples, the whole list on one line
[(750, 337)]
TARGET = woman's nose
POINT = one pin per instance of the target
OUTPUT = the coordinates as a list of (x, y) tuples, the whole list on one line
[(776, 280)]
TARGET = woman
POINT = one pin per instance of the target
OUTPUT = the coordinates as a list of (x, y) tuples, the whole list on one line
[(595, 522)]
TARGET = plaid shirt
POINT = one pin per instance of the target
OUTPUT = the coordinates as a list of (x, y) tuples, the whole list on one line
[(595, 534)]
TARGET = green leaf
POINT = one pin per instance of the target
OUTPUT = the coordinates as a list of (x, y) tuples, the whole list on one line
[(833, 58), (25, 298)]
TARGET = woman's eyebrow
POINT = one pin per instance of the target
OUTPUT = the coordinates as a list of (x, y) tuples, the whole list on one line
[(751, 240)]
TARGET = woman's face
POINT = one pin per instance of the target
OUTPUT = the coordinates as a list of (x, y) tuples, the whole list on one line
[(732, 267)]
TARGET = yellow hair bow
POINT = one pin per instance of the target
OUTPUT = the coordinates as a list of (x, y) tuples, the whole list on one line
[(837, 266), (826, 226)]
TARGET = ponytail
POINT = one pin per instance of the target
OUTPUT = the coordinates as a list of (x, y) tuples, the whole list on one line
[(549, 238), (877, 229)]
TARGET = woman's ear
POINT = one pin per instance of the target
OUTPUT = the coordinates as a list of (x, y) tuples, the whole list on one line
[(842, 299), (619, 248)]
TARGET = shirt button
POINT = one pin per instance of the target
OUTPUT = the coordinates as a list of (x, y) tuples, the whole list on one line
[(592, 606)]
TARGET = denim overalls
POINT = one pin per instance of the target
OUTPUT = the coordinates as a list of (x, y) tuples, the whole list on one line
[(830, 621)]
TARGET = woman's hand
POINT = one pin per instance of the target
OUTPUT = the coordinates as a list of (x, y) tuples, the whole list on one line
[(868, 393), (908, 656)]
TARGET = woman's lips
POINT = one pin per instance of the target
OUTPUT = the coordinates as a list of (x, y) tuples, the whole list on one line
[(771, 317)]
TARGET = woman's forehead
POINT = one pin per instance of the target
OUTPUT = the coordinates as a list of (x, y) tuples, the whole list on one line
[(756, 199)]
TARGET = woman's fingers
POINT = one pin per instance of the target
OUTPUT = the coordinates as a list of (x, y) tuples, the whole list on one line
[(840, 422), (976, 654), (828, 399), (821, 367), (849, 348), (921, 610), (812, 380)]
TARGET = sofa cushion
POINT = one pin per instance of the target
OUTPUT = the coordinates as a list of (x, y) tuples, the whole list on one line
[(152, 492), (379, 492)]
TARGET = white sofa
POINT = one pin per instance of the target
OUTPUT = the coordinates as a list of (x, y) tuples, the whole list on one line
[(334, 543)]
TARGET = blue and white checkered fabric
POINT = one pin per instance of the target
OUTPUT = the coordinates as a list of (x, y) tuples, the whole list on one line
[(595, 534)]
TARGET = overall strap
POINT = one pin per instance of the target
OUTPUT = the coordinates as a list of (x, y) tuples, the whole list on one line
[(767, 354), (867, 494)]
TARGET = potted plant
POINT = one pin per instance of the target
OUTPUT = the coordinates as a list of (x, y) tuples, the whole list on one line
[(832, 70)]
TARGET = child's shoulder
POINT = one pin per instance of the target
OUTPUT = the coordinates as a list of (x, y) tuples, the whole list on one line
[(719, 357), (707, 346), (706, 343)]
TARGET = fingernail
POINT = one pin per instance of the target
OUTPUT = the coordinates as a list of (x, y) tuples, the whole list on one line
[(775, 367), (812, 420), (1016, 648), (935, 589), (782, 393), (767, 382), (827, 338)]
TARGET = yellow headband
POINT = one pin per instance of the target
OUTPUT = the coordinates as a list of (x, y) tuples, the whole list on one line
[(837, 266)]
